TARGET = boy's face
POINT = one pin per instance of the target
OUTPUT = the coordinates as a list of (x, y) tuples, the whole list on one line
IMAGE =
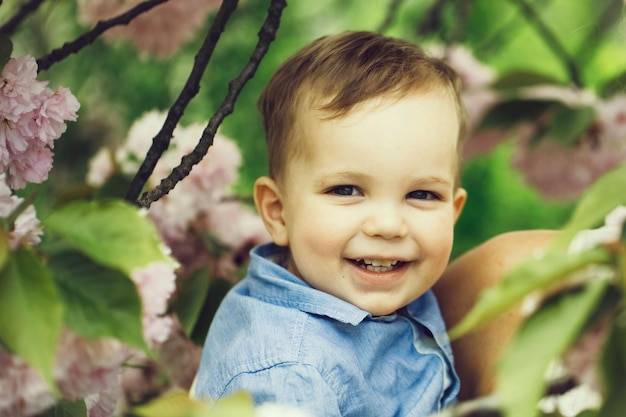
[(368, 211)]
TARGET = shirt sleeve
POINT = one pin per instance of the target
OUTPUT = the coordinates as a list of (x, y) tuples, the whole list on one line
[(297, 385)]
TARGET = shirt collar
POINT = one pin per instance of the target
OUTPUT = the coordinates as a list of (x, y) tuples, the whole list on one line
[(275, 284)]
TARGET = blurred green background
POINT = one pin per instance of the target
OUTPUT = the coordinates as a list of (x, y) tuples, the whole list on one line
[(116, 84)]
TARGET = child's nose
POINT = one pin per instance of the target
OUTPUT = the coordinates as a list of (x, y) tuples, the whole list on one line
[(386, 223)]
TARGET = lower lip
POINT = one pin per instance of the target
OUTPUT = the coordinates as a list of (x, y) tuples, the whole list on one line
[(379, 279)]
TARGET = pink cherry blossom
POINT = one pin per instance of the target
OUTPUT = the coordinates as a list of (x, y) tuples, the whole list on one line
[(106, 402), (100, 168), (213, 175), (32, 117), (158, 31), (239, 228), (207, 183), (198, 204), (19, 88), (176, 367), (236, 225), (480, 141), (87, 366), (52, 114), (612, 119), (23, 391), (561, 171), (27, 230), (155, 282), (32, 166)]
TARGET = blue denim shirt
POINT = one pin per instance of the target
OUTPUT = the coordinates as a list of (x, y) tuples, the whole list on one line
[(286, 342)]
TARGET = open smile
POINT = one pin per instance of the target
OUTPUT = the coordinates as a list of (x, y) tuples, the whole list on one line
[(379, 266)]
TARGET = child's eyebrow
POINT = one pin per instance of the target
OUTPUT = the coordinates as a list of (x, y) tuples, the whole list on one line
[(338, 176), (437, 180), (353, 176)]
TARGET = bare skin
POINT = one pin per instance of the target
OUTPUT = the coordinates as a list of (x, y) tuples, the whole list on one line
[(458, 290)]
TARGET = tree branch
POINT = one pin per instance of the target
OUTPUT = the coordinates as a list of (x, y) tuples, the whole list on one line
[(161, 141), (551, 40), (27, 8), (88, 38), (392, 11), (432, 22), (266, 35)]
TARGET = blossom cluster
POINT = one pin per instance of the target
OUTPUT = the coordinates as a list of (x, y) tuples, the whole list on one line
[(555, 169), (158, 31), (200, 207), (32, 117), (155, 283), (95, 369), (84, 368)]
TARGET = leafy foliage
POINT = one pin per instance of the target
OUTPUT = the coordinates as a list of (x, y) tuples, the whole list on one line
[(31, 311)]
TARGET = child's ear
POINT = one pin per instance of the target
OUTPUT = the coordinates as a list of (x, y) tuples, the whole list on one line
[(460, 197), (268, 201)]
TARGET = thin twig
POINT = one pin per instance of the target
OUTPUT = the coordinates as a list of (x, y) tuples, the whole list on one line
[(26, 9), (392, 11), (463, 9), (88, 38), (161, 141), (266, 35), (432, 20), (551, 41)]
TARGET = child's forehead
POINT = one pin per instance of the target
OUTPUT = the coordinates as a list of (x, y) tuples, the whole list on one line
[(313, 107), (312, 123)]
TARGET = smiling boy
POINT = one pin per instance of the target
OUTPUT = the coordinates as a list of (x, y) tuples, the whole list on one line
[(337, 316)]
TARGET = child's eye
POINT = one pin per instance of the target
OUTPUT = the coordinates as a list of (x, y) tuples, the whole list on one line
[(422, 195), (347, 190)]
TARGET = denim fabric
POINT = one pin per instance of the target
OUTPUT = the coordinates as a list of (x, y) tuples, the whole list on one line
[(286, 342)]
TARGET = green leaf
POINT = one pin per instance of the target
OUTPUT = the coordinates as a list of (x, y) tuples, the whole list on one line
[(179, 404), (190, 298), (112, 232), (519, 79), (531, 276), (6, 48), (66, 408), (597, 201), (99, 302), (569, 123), (545, 336), (613, 370), (4, 248), (217, 291), (614, 85), (510, 112), (31, 312)]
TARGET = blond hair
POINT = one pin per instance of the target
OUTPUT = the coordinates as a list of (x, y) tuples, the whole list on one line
[(334, 74)]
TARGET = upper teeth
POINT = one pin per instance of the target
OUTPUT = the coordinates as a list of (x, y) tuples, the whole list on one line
[(375, 262)]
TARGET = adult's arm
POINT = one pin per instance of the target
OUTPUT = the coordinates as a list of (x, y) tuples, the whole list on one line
[(458, 290)]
